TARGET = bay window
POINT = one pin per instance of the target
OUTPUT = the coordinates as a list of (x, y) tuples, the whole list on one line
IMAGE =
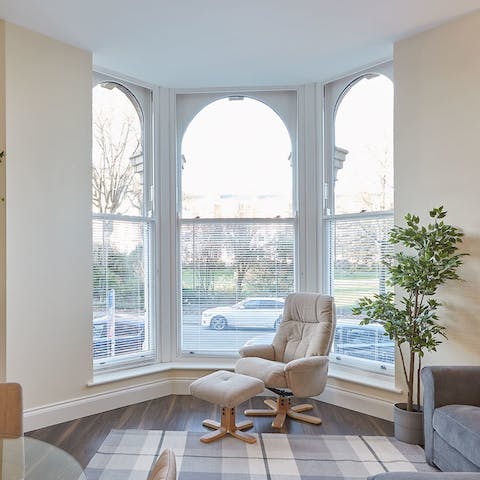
[(263, 193)]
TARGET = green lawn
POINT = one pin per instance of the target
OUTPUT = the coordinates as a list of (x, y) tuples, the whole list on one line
[(348, 290)]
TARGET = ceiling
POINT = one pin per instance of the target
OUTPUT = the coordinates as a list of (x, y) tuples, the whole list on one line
[(205, 43)]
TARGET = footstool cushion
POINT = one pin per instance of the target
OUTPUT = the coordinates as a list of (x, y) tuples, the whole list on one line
[(226, 388)]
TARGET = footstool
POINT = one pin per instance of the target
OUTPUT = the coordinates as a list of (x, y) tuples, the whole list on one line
[(228, 390)]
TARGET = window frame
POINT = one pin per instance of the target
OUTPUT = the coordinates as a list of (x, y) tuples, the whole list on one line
[(334, 92), (142, 97), (284, 102)]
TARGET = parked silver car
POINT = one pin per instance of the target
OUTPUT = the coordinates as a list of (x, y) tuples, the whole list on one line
[(129, 336), (254, 312), (353, 340)]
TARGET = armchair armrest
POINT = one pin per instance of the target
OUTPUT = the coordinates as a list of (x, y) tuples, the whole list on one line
[(307, 376), (453, 385), (263, 351)]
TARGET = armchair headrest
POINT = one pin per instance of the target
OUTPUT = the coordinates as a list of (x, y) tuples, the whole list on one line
[(308, 308), (307, 327)]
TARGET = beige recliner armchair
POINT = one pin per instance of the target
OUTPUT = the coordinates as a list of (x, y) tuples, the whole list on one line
[(296, 363)]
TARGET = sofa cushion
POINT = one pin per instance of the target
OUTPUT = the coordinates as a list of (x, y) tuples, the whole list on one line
[(226, 388), (459, 426), (449, 459)]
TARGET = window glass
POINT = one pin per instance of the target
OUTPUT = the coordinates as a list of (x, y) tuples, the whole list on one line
[(364, 147), (117, 172), (357, 232), (236, 158), (122, 237), (236, 231)]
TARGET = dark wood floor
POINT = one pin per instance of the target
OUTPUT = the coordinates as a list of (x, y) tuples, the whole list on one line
[(82, 437)]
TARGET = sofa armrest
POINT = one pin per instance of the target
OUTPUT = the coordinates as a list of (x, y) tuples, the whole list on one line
[(426, 476), (263, 351), (307, 377), (453, 385)]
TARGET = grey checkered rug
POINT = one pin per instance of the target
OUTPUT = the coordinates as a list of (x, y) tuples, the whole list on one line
[(130, 454)]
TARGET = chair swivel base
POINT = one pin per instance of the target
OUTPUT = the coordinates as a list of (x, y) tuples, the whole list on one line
[(227, 425), (281, 409)]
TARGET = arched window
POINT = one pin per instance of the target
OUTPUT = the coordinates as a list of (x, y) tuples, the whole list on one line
[(236, 162), (359, 209), (117, 155), (122, 327), (237, 229), (364, 146)]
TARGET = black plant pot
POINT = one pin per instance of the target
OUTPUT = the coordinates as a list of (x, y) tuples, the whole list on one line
[(408, 425)]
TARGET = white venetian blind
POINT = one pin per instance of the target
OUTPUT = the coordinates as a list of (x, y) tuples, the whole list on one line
[(121, 269), (224, 263), (358, 246)]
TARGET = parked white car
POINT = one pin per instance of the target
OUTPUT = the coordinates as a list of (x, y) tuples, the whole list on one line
[(255, 312)]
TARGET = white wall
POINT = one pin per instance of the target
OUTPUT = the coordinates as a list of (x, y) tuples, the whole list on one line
[(437, 140), (49, 311), (2, 208), (48, 115)]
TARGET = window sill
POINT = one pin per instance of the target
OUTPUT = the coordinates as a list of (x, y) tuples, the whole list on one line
[(369, 379), (110, 377)]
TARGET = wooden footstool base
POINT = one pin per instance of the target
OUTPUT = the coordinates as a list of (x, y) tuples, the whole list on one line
[(281, 409), (227, 425), (228, 390)]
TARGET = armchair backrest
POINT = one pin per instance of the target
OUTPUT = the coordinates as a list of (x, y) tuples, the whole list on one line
[(307, 328)]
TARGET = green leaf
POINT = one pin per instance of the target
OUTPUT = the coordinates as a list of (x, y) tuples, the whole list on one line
[(427, 258)]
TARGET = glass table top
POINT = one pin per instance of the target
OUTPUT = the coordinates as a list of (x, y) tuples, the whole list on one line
[(31, 459)]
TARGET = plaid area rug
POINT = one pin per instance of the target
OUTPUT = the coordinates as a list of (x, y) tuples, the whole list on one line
[(130, 454)]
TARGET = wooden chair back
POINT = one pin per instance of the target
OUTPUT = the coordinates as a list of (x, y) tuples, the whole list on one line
[(11, 410), (165, 468)]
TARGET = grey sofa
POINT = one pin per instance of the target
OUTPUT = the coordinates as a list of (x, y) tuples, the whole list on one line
[(426, 476), (451, 405)]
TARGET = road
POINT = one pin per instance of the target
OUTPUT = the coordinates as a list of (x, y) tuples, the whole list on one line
[(200, 339), (197, 338)]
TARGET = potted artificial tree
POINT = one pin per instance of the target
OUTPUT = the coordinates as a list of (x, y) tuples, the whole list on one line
[(429, 258)]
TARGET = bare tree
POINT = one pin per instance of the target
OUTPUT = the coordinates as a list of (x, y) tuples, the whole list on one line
[(245, 251), (206, 252), (382, 198), (113, 174)]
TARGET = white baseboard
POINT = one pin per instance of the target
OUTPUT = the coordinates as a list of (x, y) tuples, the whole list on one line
[(357, 402), (335, 396), (53, 414)]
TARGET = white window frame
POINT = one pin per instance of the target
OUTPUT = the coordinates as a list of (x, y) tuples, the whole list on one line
[(144, 95), (311, 198), (334, 92), (187, 105)]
